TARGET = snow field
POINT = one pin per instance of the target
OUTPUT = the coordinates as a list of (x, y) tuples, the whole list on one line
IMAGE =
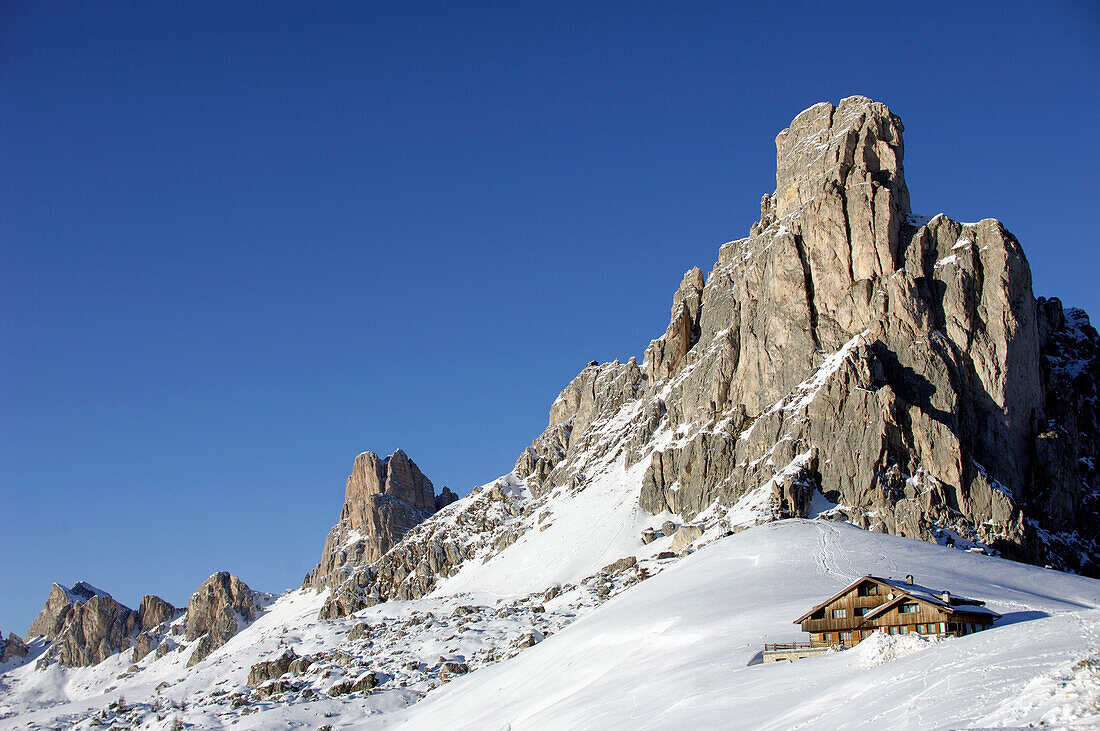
[(678, 649)]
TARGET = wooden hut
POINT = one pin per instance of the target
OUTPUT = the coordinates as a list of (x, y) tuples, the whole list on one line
[(895, 607), (872, 603)]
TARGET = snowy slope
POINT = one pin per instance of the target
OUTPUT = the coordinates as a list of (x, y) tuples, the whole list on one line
[(582, 533), (676, 649), (406, 644)]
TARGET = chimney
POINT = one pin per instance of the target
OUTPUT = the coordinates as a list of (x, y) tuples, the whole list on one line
[(946, 596), (909, 579)]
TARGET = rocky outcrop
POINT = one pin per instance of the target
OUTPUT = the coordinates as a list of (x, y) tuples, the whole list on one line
[(894, 365), (219, 609), (96, 629), (287, 662), (144, 643), (12, 648), (898, 365), (684, 536), (383, 500), (154, 611), (59, 607), (361, 684), (154, 616), (596, 393), (86, 625), (431, 551), (666, 354)]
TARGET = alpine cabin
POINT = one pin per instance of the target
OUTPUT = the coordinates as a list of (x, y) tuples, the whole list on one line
[(896, 607)]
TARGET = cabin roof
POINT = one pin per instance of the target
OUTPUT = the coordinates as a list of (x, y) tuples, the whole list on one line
[(913, 591), (883, 608)]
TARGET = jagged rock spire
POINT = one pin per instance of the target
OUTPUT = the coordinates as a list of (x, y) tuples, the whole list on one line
[(383, 500), (897, 363), (86, 625)]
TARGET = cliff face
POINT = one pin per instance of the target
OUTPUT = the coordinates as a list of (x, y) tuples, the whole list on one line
[(847, 359), (383, 500), (85, 625), (218, 609), (897, 364)]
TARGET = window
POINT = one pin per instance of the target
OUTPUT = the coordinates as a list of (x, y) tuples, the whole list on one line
[(922, 628), (892, 630), (868, 590), (840, 613), (862, 611), (909, 609), (845, 636), (827, 637)]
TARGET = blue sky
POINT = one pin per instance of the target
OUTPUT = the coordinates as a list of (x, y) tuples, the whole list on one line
[(243, 242)]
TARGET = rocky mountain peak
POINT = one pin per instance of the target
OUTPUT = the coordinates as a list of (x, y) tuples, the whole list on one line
[(855, 143), (846, 352), (218, 609), (396, 476), (83, 591), (51, 620), (86, 625), (897, 363), (13, 648), (383, 500)]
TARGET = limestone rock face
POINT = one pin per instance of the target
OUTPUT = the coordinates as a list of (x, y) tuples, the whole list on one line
[(143, 645), (59, 607), (12, 648), (154, 611), (383, 500), (85, 625), (267, 670), (597, 391), (431, 551), (217, 611), (898, 365), (154, 615), (97, 629), (666, 354), (846, 351)]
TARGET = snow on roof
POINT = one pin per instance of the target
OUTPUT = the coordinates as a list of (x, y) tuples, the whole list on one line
[(917, 591)]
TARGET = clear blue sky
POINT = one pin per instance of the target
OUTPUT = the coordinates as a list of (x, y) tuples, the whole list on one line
[(243, 242)]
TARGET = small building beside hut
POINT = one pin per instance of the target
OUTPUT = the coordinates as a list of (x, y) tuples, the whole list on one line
[(872, 603)]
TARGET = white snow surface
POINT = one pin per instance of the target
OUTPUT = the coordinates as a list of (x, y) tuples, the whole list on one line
[(587, 530), (672, 641), (677, 650)]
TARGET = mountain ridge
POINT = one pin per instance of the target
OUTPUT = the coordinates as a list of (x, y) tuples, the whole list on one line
[(847, 361), (897, 365)]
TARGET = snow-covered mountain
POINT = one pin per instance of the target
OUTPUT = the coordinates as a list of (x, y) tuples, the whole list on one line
[(679, 647), (847, 378)]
